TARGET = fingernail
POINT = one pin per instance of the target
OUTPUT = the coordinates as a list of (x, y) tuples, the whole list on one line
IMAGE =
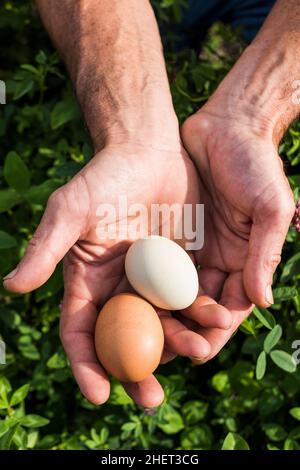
[(11, 274), (269, 294)]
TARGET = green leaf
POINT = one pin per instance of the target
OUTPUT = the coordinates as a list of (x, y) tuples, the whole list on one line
[(19, 395), (8, 199), (41, 57), (231, 424), (128, 427), (265, 317), (32, 438), (20, 438), (261, 365), (272, 446), (28, 348), (16, 172), (197, 437), (283, 360), (11, 318), (49, 441), (295, 433), (272, 338), (4, 426), (234, 441), (22, 87), (118, 395), (284, 293), (294, 181), (39, 194), (51, 287), (274, 431), (295, 412), (270, 401), (247, 327), (171, 422), (291, 268), (221, 382), (5, 440), (6, 241), (103, 435), (194, 411), (291, 444), (34, 421), (3, 405), (63, 112), (5, 388), (57, 361), (30, 68)]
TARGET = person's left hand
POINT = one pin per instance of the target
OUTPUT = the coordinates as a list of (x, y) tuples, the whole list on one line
[(248, 208)]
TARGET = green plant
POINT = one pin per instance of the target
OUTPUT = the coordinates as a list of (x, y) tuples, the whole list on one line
[(18, 428), (219, 405)]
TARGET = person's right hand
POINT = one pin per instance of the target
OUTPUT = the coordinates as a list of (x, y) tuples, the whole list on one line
[(94, 268)]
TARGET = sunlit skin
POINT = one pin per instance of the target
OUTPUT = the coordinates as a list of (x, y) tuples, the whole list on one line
[(247, 215), (226, 157), (94, 269)]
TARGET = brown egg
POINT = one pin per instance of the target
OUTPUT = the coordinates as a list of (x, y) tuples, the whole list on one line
[(129, 338)]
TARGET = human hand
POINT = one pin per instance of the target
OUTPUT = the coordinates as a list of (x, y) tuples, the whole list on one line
[(248, 209), (94, 268)]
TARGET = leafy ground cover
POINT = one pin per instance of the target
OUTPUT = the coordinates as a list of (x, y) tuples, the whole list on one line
[(248, 397)]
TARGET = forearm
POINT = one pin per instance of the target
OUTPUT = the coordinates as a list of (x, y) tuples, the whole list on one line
[(261, 88), (113, 52)]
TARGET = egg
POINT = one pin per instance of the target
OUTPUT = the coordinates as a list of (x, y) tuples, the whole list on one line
[(162, 272), (129, 338)]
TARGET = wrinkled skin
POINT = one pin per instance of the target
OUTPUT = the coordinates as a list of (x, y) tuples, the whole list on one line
[(94, 269), (247, 213)]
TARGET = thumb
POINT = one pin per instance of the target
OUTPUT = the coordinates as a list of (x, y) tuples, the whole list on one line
[(269, 229), (57, 232)]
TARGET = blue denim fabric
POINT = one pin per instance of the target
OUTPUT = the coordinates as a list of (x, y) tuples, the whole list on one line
[(201, 14)]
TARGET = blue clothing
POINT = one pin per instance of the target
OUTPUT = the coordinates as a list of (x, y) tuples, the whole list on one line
[(201, 14)]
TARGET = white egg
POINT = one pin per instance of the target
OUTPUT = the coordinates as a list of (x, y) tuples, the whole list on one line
[(162, 272)]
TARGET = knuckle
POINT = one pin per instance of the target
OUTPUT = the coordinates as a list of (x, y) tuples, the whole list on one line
[(188, 126), (33, 243), (194, 124), (283, 209), (56, 199)]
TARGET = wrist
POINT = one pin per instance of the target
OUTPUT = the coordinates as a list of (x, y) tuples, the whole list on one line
[(141, 116), (147, 128), (149, 135), (258, 92)]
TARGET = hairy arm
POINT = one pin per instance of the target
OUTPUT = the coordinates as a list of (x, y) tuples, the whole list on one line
[(262, 87), (234, 141), (113, 52)]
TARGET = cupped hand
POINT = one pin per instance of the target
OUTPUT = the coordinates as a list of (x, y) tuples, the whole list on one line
[(94, 267), (248, 209)]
